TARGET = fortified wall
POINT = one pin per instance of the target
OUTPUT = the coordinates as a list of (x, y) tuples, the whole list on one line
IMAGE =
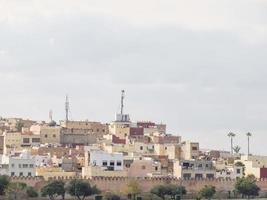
[(116, 184)]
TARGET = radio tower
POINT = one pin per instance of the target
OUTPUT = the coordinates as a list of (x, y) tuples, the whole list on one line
[(122, 101), (67, 108)]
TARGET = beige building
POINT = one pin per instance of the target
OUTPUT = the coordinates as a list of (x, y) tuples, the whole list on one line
[(142, 167), (190, 150), (48, 134), (94, 127), (52, 172), (29, 139), (256, 165), (173, 151), (12, 140), (120, 129)]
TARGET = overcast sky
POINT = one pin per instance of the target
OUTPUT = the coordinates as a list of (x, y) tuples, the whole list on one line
[(198, 66)]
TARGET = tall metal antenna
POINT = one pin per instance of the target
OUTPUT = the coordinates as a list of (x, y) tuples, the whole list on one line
[(67, 108), (122, 101), (51, 115)]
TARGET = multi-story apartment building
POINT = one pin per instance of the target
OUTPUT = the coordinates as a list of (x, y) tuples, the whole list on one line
[(193, 169), (22, 165)]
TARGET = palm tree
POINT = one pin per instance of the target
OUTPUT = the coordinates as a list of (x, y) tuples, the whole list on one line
[(236, 149), (231, 135), (248, 135)]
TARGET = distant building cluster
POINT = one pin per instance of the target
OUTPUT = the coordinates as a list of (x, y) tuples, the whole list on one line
[(121, 148)]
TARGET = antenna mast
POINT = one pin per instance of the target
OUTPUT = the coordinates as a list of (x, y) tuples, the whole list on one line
[(67, 108), (122, 101), (51, 115)]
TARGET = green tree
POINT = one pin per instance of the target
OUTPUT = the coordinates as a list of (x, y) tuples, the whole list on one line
[(160, 191), (236, 149), (207, 192), (54, 189), (4, 181), (169, 190), (31, 192), (16, 190), (81, 189), (111, 196), (132, 189), (174, 191), (246, 186)]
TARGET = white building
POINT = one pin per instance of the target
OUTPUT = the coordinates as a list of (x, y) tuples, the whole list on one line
[(194, 169), (22, 165), (107, 161), (230, 172), (43, 161)]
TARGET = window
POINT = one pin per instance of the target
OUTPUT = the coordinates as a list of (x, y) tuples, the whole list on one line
[(31, 165), (45, 135), (156, 168), (21, 174), (97, 130), (194, 148), (118, 163), (127, 165), (103, 131), (25, 165), (105, 163), (54, 135), (143, 167), (12, 165), (12, 173), (36, 140), (19, 165), (112, 163), (141, 147), (29, 174), (238, 171), (26, 140), (166, 148)]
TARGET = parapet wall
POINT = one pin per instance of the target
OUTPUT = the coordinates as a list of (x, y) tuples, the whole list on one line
[(116, 184)]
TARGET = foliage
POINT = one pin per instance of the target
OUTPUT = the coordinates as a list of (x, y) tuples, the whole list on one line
[(246, 186), (19, 126), (31, 192), (207, 192), (54, 189), (111, 196), (4, 181), (236, 149), (16, 190), (239, 164), (168, 190), (132, 189), (81, 189)]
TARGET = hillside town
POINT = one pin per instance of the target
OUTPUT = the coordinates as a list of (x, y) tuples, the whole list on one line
[(120, 148)]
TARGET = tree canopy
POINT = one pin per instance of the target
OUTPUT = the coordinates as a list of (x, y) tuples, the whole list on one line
[(54, 189), (81, 189), (246, 186), (168, 190), (4, 181), (207, 192)]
